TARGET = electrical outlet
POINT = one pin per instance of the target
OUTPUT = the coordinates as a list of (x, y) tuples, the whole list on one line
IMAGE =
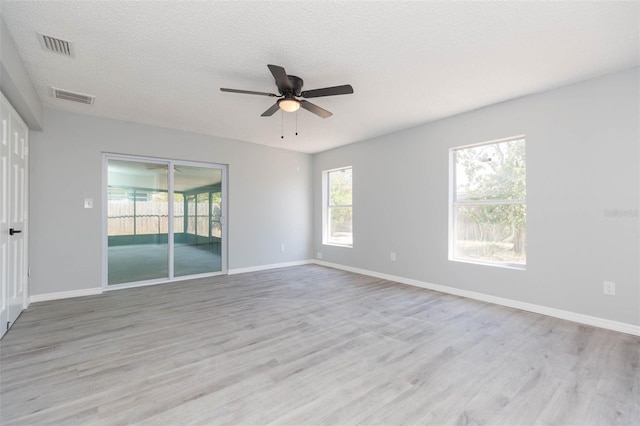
[(609, 288), (319, 255), (392, 256), (282, 247)]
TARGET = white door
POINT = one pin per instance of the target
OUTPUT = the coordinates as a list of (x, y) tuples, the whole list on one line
[(4, 215), (13, 215)]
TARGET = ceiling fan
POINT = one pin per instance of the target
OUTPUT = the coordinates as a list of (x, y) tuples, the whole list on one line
[(162, 167), (290, 88)]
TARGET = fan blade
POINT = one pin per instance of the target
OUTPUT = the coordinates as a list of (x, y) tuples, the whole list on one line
[(247, 92), (321, 112), (282, 80), (272, 110), (328, 91)]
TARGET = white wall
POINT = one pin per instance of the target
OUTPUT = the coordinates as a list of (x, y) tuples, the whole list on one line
[(269, 195), (582, 159)]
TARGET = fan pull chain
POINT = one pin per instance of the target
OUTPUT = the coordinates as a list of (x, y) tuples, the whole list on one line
[(296, 123), (281, 125)]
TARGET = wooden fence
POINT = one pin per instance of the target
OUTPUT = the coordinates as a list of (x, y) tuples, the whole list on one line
[(150, 217)]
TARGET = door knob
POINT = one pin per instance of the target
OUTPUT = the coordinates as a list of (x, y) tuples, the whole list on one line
[(14, 231)]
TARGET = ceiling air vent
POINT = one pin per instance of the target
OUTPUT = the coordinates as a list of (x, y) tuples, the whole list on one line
[(72, 96), (56, 45)]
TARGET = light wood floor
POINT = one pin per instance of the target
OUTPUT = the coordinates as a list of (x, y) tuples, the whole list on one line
[(309, 345)]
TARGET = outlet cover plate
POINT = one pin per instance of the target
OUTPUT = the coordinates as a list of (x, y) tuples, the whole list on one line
[(609, 288)]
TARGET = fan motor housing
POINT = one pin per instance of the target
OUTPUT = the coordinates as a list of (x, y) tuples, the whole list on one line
[(296, 83)]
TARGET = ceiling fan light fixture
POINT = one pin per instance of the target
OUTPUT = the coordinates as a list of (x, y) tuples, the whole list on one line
[(289, 105), (290, 87)]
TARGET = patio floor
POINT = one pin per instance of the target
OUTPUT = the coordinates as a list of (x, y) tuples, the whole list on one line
[(149, 261)]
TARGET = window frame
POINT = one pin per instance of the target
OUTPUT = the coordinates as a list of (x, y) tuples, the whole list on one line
[(326, 207), (454, 203)]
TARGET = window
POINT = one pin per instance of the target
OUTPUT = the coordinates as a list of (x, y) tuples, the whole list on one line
[(488, 208), (337, 228)]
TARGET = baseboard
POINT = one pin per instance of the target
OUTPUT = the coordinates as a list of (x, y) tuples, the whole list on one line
[(64, 295), (93, 291), (530, 307), (269, 266)]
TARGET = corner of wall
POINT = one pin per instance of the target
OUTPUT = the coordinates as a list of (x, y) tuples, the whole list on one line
[(16, 84)]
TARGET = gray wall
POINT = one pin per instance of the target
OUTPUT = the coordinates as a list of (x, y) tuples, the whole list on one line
[(15, 82), (582, 159), (269, 196)]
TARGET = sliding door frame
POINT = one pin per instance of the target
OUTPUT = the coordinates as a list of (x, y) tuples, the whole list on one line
[(170, 163)]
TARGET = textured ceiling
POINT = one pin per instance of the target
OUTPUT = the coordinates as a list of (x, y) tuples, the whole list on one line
[(162, 63)]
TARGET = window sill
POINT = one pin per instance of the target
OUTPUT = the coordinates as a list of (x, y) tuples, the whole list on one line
[(515, 266), (338, 245)]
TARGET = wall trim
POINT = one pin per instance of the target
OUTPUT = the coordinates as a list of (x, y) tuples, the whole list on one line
[(269, 266), (94, 291), (65, 294), (530, 307)]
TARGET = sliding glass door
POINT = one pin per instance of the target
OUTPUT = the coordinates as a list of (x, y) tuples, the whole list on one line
[(197, 234), (137, 221), (164, 220)]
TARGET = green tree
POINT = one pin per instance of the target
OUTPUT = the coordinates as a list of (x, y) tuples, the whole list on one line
[(495, 172), (340, 194)]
